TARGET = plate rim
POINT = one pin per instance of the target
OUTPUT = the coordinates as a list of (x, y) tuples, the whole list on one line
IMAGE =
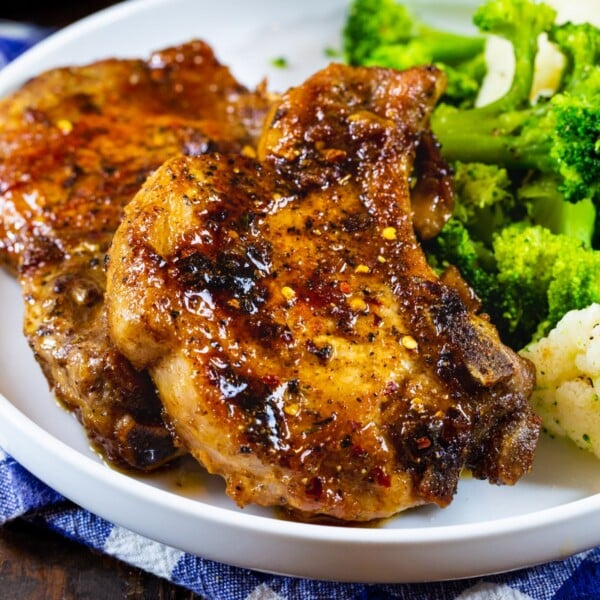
[(103, 471), (406, 539)]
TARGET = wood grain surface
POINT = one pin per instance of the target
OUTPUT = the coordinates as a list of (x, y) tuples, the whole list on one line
[(37, 564)]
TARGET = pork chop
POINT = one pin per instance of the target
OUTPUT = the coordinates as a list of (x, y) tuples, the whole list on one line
[(301, 344), (75, 145)]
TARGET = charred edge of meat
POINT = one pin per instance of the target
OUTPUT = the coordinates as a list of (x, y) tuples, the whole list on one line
[(507, 452), (430, 446), (439, 314), (497, 439)]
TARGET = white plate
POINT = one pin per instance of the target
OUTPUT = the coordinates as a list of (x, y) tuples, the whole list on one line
[(547, 516)]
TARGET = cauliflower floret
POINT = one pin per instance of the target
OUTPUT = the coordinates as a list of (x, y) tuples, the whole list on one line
[(567, 394)]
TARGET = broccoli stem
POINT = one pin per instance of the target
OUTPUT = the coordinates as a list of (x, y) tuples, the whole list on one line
[(478, 135), (547, 207), (449, 48)]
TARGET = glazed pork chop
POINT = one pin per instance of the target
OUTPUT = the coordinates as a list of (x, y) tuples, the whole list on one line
[(75, 145), (301, 344)]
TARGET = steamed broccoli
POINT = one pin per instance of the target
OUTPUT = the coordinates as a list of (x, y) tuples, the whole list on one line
[(527, 279), (484, 199), (543, 276), (535, 215), (385, 33), (527, 170), (555, 142)]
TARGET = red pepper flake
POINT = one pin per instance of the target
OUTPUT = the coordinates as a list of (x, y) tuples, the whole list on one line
[(271, 380), (345, 287), (380, 476), (314, 488), (423, 443)]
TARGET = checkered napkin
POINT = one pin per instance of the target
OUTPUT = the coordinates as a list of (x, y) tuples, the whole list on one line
[(15, 38), (24, 496)]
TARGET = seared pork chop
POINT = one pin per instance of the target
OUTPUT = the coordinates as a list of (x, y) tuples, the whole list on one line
[(301, 344), (75, 145)]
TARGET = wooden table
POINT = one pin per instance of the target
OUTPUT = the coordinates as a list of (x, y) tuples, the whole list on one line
[(36, 564)]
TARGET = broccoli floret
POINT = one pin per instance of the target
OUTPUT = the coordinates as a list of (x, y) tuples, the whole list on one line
[(556, 139), (484, 199), (580, 46), (575, 147), (526, 277), (543, 276), (487, 199), (374, 23), (464, 82), (385, 33), (455, 246)]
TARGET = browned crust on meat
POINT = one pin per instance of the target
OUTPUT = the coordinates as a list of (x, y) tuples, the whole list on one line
[(302, 346), (76, 143)]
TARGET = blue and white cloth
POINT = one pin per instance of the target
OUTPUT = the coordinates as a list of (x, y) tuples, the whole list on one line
[(26, 497), (23, 496), (15, 38)]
